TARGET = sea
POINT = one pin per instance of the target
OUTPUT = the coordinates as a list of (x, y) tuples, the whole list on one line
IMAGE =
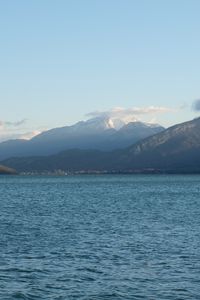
[(100, 237)]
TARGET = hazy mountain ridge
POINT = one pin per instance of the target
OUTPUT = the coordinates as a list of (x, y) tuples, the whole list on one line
[(97, 133), (176, 149)]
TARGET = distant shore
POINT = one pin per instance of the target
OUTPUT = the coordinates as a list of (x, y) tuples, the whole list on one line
[(113, 172)]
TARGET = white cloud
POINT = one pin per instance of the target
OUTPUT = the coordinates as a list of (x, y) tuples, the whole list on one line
[(29, 135), (15, 130), (5, 135), (130, 114)]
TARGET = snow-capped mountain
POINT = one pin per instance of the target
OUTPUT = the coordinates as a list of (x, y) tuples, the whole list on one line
[(174, 150), (96, 133), (83, 128)]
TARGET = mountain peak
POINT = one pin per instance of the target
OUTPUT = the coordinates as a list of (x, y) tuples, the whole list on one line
[(107, 122), (101, 133)]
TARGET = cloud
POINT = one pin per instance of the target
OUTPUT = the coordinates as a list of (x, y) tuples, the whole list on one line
[(4, 136), (12, 124), (17, 123), (196, 105), (29, 135), (129, 114), (15, 130)]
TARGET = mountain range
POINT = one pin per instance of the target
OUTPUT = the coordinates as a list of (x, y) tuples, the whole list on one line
[(176, 150), (104, 134)]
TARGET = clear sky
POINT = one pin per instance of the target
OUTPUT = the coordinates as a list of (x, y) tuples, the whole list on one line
[(60, 60)]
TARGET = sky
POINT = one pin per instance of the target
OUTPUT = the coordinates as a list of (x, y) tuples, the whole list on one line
[(67, 60)]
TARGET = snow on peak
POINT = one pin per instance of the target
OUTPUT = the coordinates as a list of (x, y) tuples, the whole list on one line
[(103, 123), (106, 123), (152, 125)]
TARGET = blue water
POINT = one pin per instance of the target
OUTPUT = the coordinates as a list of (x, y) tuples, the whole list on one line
[(100, 237)]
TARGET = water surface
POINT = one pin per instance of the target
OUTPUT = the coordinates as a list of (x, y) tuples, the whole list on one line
[(100, 237)]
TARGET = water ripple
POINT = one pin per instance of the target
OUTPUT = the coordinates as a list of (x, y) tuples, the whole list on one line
[(100, 237)]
